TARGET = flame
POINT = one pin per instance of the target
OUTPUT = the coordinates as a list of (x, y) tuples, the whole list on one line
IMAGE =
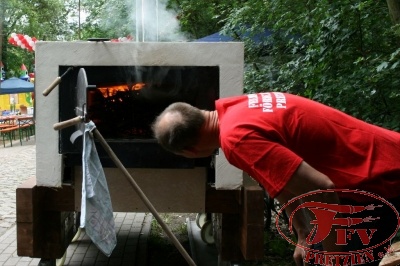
[(112, 90), (138, 86)]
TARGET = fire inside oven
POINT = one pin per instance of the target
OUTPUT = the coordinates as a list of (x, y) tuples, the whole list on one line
[(124, 100)]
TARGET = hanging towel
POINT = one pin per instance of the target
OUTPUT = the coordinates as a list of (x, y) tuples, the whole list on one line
[(96, 208)]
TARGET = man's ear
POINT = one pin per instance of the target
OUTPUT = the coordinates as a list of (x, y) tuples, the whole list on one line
[(189, 151)]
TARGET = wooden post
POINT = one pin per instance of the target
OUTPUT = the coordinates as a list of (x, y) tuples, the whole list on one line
[(227, 236), (252, 223)]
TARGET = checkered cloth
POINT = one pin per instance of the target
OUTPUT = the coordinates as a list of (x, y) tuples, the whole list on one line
[(96, 209)]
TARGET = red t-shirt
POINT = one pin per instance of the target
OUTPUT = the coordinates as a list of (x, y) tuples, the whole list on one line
[(269, 134)]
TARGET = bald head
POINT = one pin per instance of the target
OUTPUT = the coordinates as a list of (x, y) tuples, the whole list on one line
[(178, 126)]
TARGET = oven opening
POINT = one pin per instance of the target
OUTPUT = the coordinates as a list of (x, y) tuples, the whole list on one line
[(123, 101)]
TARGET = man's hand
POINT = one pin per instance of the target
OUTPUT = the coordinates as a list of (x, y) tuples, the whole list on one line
[(299, 253), (305, 180), (298, 257)]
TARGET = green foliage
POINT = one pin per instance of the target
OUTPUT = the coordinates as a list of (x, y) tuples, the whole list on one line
[(277, 248), (14, 58), (107, 19), (43, 19), (201, 18), (342, 53)]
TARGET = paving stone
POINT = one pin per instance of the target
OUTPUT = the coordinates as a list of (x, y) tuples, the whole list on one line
[(19, 164)]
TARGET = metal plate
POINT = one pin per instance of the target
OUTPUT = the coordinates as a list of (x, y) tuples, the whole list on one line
[(81, 97)]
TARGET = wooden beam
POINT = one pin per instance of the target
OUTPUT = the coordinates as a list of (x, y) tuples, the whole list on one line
[(27, 218), (44, 220), (58, 199), (222, 201)]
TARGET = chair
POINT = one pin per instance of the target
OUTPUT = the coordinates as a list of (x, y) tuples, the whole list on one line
[(9, 133), (26, 127), (27, 130)]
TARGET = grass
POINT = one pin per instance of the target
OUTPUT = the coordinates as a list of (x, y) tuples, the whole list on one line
[(160, 249)]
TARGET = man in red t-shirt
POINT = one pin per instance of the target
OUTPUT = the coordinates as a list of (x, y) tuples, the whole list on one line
[(292, 129), (291, 146)]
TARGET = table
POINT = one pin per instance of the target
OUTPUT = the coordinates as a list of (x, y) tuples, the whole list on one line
[(24, 120), (24, 124), (9, 119), (8, 127)]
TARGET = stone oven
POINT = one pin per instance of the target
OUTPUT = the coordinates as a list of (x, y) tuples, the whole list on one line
[(130, 83)]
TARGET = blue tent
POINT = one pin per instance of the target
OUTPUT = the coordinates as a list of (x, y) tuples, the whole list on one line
[(218, 37), (16, 85)]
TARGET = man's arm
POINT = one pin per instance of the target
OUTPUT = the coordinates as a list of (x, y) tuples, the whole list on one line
[(300, 224), (304, 180)]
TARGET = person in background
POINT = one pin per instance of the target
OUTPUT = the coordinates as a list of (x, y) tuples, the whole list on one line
[(12, 105), (292, 146)]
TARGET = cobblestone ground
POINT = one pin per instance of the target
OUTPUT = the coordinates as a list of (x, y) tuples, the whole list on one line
[(17, 164)]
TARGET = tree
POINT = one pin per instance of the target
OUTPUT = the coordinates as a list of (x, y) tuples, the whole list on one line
[(44, 19), (106, 19), (152, 15), (201, 18), (394, 10), (342, 53)]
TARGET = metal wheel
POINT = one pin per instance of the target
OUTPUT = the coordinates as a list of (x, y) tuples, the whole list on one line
[(60, 261), (77, 235), (201, 219), (207, 234)]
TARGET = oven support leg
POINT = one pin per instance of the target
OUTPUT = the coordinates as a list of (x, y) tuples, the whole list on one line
[(251, 232), (45, 220), (238, 222)]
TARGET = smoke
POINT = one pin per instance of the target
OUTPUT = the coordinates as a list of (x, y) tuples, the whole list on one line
[(144, 20), (155, 23)]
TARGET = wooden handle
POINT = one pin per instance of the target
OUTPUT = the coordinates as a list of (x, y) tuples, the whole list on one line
[(52, 86), (68, 123)]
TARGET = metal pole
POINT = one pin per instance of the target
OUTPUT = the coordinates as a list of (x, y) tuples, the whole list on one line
[(139, 20), (79, 19), (142, 20), (157, 20)]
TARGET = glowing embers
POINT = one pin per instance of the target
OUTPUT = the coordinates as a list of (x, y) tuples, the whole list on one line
[(122, 111), (110, 91)]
